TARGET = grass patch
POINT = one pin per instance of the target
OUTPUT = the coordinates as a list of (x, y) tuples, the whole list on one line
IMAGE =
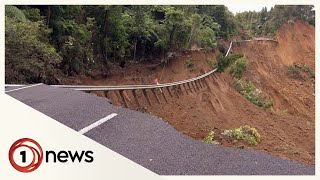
[(190, 64), (209, 139), (246, 133), (252, 94)]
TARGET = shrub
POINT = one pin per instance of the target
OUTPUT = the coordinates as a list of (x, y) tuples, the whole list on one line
[(209, 138), (252, 94), (294, 72), (246, 133), (238, 68), (190, 64), (28, 59), (306, 69), (225, 62)]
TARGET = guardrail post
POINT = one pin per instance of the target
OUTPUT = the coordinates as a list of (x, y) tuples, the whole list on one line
[(135, 97), (176, 91), (155, 95), (106, 94), (205, 82), (146, 96), (212, 76), (118, 95), (168, 89), (189, 87), (184, 86), (180, 89), (196, 85), (199, 81), (123, 99), (164, 96)]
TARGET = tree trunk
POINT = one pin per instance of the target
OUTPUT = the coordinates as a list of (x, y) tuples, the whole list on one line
[(105, 36), (48, 16), (171, 36), (135, 50), (191, 33)]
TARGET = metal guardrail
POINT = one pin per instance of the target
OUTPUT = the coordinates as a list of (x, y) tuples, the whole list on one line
[(136, 87), (132, 87), (195, 83)]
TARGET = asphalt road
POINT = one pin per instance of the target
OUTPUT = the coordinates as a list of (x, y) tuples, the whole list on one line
[(148, 140)]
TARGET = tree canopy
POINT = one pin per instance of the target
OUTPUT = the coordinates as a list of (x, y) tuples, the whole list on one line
[(42, 40)]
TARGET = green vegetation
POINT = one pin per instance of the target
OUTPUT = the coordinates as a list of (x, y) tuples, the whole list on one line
[(29, 56), (210, 63), (265, 23), (224, 62), (247, 133), (190, 64), (44, 42), (252, 94), (77, 39), (15, 13), (294, 71), (209, 138), (238, 68), (306, 69)]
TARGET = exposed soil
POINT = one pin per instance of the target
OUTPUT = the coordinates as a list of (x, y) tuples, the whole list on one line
[(288, 130)]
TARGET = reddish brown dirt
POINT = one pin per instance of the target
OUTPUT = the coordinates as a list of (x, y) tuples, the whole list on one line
[(287, 131), (174, 70)]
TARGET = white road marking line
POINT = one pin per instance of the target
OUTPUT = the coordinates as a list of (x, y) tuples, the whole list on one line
[(88, 128), (14, 85), (23, 87)]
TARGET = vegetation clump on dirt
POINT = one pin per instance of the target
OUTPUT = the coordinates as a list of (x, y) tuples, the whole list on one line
[(294, 71), (252, 94), (246, 133), (224, 62), (210, 138), (190, 64), (238, 68)]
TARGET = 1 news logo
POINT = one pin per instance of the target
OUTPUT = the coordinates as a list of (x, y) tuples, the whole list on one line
[(25, 144), (26, 155)]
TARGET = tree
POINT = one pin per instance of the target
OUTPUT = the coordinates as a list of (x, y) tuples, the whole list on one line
[(28, 59), (142, 26)]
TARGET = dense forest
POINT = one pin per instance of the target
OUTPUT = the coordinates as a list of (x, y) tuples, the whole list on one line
[(44, 43)]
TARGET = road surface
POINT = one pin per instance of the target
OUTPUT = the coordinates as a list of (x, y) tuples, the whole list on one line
[(148, 140)]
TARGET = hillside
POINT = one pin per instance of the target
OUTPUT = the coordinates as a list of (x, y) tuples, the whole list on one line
[(287, 129)]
